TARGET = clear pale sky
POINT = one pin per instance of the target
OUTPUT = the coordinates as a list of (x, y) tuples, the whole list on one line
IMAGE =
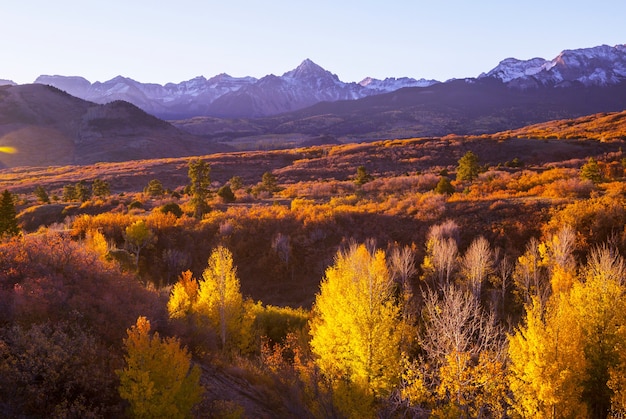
[(171, 41)]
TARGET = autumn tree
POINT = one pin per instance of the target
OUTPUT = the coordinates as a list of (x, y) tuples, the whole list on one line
[(440, 260), (183, 296), (199, 174), (547, 361), (600, 313), (8, 215), (356, 327), (219, 298), (477, 265), (465, 351), (503, 270), (557, 255), (138, 235), (528, 274), (402, 269), (158, 379), (468, 167)]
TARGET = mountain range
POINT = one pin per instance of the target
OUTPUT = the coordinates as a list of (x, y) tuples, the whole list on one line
[(68, 120), (225, 96)]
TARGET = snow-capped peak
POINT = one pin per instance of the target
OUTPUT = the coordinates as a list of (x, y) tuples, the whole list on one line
[(308, 70), (599, 65), (391, 84)]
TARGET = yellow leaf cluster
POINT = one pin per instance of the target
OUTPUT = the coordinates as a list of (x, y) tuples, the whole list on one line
[(158, 379), (355, 331)]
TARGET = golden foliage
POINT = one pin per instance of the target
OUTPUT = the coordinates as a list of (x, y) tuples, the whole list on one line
[(158, 379), (355, 330)]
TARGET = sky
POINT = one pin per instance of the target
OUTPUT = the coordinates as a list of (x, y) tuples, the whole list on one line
[(161, 41)]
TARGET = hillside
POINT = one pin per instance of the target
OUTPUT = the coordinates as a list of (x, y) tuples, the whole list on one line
[(603, 127), (462, 107), (547, 213), (45, 126)]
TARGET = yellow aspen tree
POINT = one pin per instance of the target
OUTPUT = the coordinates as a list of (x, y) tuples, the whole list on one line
[(183, 296), (219, 298), (601, 310), (547, 361), (617, 377), (557, 256), (158, 379), (356, 328), (528, 274), (138, 235)]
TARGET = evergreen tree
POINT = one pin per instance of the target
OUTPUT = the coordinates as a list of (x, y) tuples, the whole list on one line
[(444, 187), (362, 177), (226, 194), (468, 167), (154, 188), (100, 188), (8, 215), (235, 183), (591, 171), (200, 181), (42, 195), (269, 182), (69, 193), (83, 193)]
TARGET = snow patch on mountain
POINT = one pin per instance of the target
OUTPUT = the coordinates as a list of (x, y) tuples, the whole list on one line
[(598, 66), (391, 84)]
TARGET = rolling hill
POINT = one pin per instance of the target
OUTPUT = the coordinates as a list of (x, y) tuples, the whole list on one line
[(42, 126)]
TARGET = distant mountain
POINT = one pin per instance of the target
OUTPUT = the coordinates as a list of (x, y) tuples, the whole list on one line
[(311, 105), (226, 96), (461, 107), (46, 126), (598, 66)]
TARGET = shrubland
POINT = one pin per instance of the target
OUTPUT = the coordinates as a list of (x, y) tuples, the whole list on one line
[(332, 281)]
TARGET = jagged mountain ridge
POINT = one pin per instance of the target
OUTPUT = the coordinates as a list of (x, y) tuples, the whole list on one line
[(303, 86), (598, 66), (232, 97)]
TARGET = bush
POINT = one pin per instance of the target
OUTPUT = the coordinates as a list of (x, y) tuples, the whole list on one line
[(172, 208), (135, 205), (226, 194)]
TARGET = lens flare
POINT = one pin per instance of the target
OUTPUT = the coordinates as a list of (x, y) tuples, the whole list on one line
[(8, 150)]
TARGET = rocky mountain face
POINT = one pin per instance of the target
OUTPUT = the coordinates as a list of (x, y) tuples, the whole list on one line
[(45, 126), (597, 66)]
